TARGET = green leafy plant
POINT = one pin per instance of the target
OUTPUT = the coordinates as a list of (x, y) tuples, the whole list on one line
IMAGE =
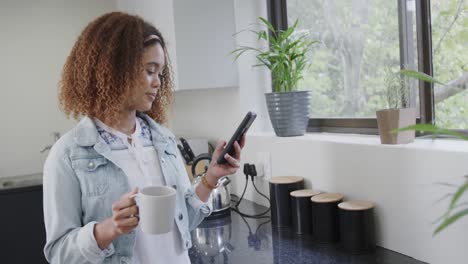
[(456, 210), (420, 76), (285, 57)]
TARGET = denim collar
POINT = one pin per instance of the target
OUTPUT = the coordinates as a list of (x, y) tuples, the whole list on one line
[(86, 134)]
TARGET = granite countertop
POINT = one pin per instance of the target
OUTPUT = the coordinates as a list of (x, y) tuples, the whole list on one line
[(20, 183), (231, 238)]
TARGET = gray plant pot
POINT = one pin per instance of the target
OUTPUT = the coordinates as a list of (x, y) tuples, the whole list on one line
[(289, 112)]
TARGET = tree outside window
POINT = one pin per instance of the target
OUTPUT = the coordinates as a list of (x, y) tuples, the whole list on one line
[(360, 42)]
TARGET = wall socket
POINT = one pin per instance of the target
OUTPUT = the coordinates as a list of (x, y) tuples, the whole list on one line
[(263, 165)]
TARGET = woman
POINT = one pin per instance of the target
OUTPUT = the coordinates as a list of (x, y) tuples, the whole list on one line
[(117, 78)]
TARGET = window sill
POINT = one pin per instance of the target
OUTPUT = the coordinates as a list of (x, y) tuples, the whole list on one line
[(439, 144)]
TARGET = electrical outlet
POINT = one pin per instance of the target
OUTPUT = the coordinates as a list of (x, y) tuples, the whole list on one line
[(263, 165), (259, 168)]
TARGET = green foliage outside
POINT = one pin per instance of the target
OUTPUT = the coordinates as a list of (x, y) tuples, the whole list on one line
[(359, 42), (450, 45)]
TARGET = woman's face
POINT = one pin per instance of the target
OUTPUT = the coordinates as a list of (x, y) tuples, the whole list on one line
[(150, 80)]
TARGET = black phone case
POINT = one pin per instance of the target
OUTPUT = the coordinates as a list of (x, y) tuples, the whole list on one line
[(241, 129)]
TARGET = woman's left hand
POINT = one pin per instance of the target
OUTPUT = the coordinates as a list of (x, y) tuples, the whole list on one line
[(216, 171)]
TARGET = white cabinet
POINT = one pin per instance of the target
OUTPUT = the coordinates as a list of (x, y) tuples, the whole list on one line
[(204, 39), (199, 35)]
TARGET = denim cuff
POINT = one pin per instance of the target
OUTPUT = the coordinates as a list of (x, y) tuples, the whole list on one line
[(205, 208), (88, 245)]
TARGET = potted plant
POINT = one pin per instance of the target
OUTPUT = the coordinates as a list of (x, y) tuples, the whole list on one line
[(398, 114), (286, 59)]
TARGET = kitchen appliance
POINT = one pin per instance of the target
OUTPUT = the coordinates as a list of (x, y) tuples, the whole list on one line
[(221, 196), (211, 241), (189, 149)]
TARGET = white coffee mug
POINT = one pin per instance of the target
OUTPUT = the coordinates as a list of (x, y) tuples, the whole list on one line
[(156, 206)]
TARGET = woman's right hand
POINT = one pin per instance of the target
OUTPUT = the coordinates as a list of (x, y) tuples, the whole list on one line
[(125, 213), (124, 219)]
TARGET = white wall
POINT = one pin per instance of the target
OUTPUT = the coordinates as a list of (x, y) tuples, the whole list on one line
[(35, 39)]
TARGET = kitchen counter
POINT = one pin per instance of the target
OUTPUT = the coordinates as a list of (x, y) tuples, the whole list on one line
[(23, 232), (19, 182), (235, 239)]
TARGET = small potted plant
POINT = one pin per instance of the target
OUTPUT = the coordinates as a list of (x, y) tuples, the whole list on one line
[(286, 59), (398, 114)]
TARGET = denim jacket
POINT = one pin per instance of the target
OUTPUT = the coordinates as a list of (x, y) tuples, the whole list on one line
[(81, 182)]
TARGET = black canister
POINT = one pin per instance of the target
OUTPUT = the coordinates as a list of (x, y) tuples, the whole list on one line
[(325, 216), (302, 210), (280, 201), (357, 233)]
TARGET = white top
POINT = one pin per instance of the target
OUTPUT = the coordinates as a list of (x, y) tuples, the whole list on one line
[(150, 248), (140, 162)]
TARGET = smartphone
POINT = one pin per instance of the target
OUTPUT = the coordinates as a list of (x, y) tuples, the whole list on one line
[(240, 131)]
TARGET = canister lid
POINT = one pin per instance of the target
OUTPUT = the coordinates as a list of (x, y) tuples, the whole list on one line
[(305, 193), (327, 198), (356, 205), (286, 179)]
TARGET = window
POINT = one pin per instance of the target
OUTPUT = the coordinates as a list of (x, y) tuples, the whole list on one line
[(450, 60), (362, 40)]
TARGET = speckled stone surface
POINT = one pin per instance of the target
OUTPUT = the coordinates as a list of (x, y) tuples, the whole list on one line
[(232, 238)]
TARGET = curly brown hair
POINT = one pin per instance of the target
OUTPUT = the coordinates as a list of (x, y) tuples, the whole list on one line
[(106, 63)]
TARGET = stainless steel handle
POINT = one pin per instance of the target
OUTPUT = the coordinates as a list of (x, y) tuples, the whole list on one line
[(224, 181)]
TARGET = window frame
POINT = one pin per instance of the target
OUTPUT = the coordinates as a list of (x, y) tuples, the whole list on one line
[(277, 15)]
